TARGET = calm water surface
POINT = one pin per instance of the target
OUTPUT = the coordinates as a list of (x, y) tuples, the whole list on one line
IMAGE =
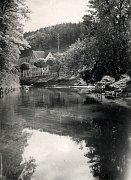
[(53, 134)]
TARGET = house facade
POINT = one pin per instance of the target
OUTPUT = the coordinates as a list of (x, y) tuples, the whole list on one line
[(33, 57)]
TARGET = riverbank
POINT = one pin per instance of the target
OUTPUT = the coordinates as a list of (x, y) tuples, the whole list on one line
[(77, 84), (125, 102), (52, 81), (87, 91)]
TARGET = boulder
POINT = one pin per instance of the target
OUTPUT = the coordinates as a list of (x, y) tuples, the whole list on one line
[(122, 82)]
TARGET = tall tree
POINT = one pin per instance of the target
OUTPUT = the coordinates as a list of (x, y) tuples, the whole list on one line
[(74, 56), (81, 55), (58, 65), (24, 66), (112, 19), (40, 64), (11, 31)]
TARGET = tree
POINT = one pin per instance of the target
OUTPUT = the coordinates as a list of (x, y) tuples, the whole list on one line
[(24, 66), (73, 56), (11, 31), (113, 35), (57, 67), (50, 62), (58, 63), (82, 55), (55, 64), (40, 64)]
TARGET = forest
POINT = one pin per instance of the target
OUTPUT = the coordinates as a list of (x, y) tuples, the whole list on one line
[(47, 38)]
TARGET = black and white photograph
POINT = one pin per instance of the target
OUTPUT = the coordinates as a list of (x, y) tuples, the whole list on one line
[(65, 89)]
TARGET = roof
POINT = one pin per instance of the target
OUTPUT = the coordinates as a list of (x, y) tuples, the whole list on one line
[(33, 56), (50, 56), (38, 54)]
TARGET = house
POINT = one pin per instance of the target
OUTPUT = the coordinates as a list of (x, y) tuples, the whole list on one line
[(33, 57)]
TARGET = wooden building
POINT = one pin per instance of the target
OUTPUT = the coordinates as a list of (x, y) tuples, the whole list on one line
[(33, 57)]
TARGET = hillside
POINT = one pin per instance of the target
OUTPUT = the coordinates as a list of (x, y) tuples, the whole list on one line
[(47, 38)]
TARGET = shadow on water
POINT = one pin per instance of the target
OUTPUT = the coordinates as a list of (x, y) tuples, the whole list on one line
[(110, 148), (63, 117), (13, 141)]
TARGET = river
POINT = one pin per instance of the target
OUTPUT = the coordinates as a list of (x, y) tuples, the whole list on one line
[(58, 134)]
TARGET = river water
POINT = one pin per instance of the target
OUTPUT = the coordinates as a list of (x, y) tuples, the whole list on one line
[(58, 134)]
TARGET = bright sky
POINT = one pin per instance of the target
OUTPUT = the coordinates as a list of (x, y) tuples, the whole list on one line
[(50, 12)]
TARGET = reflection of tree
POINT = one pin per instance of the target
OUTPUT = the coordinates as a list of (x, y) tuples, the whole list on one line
[(109, 145), (28, 170), (90, 100), (104, 130), (54, 98), (12, 144)]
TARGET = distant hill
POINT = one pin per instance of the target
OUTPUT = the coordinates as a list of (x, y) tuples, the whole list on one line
[(47, 38)]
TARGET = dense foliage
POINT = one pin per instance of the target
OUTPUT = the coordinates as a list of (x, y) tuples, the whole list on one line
[(40, 63), (11, 36), (57, 64), (47, 38), (105, 45), (111, 26), (81, 56), (24, 66)]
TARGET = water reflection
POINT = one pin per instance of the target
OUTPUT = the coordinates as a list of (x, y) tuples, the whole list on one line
[(59, 134), (58, 157), (110, 148), (12, 139), (12, 143)]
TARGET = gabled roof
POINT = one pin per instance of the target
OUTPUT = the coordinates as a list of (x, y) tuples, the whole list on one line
[(50, 56)]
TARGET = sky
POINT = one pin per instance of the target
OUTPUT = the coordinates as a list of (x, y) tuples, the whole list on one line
[(50, 12)]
